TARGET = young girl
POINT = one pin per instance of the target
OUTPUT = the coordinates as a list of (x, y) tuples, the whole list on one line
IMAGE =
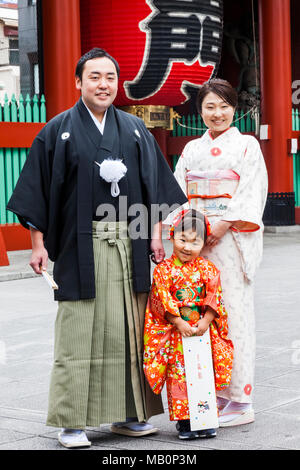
[(185, 299)]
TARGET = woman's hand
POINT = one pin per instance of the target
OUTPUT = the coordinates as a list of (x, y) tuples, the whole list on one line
[(217, 232)]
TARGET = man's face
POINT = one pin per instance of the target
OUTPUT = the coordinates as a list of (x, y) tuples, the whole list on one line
[(99, 84)]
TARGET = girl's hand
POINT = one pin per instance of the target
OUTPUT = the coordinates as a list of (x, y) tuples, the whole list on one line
[(183, 327), (217, 232), (202, 326)]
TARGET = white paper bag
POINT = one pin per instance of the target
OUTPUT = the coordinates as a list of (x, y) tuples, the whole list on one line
[(200, 382)]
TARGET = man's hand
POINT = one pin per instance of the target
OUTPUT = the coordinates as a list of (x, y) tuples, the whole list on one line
[(39, 255), (158, 251), (39, 260), (157, 247)]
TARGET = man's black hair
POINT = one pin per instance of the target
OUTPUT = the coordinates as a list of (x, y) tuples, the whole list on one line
[(94, 53)]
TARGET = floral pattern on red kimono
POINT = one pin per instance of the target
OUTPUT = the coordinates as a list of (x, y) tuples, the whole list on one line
[(175, 287)]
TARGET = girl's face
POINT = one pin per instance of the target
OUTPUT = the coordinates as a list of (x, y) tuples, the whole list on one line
[(187, 245), (216, 113)]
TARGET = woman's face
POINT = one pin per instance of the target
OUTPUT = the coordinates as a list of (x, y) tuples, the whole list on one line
[(216, 113)]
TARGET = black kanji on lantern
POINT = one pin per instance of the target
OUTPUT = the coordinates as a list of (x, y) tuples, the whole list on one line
[(177, 31)]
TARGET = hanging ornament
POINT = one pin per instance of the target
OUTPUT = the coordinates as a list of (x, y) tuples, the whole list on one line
[(112, 171)]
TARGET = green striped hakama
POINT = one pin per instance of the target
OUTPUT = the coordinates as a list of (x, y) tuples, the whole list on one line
[(97, 376)]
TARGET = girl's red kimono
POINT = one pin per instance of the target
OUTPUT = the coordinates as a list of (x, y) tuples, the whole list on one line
[(183, 290)]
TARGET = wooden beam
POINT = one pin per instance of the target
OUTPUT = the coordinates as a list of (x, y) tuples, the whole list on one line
[(18, 134), (16, 237)]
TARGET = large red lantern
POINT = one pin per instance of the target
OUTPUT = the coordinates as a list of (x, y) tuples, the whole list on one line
[(162, 46)]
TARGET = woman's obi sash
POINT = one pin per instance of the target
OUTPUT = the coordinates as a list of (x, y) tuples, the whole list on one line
[(210, 191)]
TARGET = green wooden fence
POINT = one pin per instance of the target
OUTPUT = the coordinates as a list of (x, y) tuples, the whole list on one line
[(13, 159), (193, 125), (34, 110), (296, 159)]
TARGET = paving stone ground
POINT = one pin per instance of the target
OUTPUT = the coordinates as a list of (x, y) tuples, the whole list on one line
[(27, 315)]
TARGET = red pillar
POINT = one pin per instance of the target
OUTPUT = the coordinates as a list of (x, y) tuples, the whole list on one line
[(62, 49), (3, 254), (161, 136), (276, 90)]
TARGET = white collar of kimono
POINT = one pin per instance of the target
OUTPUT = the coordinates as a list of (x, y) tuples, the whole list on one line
[(99, 125), (229, 132)]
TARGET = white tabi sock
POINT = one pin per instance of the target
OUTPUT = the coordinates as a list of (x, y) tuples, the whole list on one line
[(232, 410), (221, 403)]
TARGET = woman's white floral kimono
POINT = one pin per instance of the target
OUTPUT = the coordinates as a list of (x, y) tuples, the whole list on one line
[(226, 178)]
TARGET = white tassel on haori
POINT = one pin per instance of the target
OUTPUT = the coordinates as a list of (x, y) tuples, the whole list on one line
[(112, 171)]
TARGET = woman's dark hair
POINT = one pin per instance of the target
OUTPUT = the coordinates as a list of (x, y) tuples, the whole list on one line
[(193, 220), (220, 87), (94, 54)]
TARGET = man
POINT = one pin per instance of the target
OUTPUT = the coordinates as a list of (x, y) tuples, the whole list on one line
[(103, 275)]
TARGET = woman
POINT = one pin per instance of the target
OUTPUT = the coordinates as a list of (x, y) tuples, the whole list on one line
[(224, 176)]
